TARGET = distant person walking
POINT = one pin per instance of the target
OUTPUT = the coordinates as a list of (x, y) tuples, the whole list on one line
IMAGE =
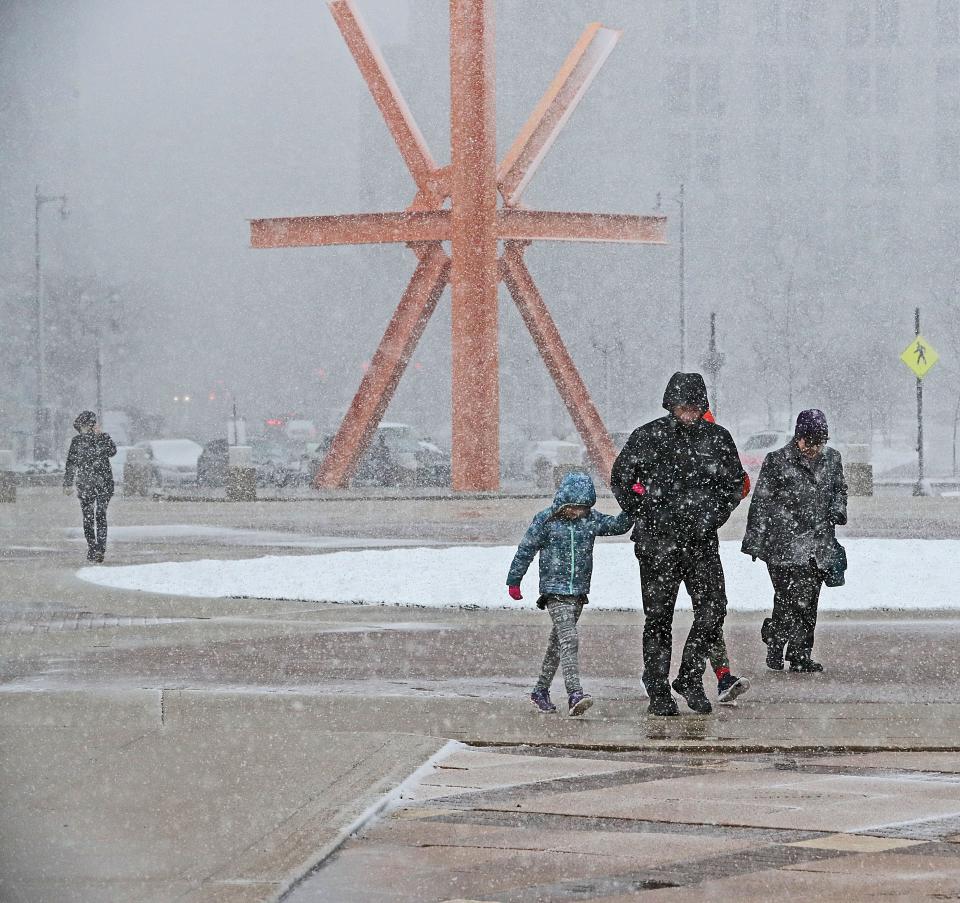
[(680, 476), (88, 463), (564, 535), (800, 498)]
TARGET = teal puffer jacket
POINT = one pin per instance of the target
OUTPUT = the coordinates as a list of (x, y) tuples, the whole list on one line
[(566, 546)]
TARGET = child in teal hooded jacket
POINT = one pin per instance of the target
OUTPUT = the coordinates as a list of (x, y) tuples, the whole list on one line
[(563, 535)]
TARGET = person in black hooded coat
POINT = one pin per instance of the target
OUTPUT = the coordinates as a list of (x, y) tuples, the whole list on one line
[(88, 463), (680, 476)]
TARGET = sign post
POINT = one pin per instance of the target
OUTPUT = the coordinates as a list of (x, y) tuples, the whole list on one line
[(919, 356)]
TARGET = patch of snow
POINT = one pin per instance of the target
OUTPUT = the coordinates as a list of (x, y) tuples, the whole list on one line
[(902, 574), (239, 537)]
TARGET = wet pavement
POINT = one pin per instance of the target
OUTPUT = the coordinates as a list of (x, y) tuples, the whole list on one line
[(162, 748)]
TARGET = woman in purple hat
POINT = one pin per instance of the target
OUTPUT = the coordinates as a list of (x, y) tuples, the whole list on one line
[(801, 497)]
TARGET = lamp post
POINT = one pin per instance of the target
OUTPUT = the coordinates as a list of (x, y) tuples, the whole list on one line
[(41, 444), (713, 362), (679, 200)]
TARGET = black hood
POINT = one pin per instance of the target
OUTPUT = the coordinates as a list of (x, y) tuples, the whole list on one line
[(686, 389)]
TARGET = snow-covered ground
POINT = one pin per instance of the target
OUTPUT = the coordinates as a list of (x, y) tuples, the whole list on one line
[(884, 573)]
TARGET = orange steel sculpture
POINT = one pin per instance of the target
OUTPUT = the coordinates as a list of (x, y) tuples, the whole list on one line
[(474, 225)]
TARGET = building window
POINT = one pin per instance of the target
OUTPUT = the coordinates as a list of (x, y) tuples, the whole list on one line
[(888, 22), (708, 160), (796, 157), (677, 87), (679, 157), (796, 94), (678, 21), (859, 163), (857, 98), (768, 21), (887, 229), (768, 89), (948, 159), (708, 20), (888, 89), (709, 100), (858, 23), (948, 21), (888, 160), (948, 87), (768, 157)]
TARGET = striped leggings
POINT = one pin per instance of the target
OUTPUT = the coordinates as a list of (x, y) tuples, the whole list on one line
[(563, 647)]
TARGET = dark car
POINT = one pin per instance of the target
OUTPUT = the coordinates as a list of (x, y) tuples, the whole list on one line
[(213, 462)]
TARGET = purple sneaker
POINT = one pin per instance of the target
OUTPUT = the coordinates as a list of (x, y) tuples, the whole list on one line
[(579, 702), (541, 699)]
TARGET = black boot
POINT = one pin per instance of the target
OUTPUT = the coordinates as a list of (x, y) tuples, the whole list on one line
[(691, 689), (805, 665), (775, 657), (662, 704)]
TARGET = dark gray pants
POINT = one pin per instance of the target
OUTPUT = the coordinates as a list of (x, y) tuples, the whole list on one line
[(563, 648), (699, 569), (796, 595), (93, 510)]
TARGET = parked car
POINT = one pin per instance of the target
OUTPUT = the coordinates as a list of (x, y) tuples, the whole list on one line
[(433, 464), (399, 456), (213, 462), (118, 461), (174, 461), (274, 463), (757, 446)]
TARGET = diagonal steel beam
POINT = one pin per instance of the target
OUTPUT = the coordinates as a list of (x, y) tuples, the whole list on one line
[(554, 109), (547, 338), (380, 381), (376, 73)]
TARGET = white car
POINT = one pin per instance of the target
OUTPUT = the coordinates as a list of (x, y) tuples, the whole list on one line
[(758, 446), (174, 460), (118, 461)]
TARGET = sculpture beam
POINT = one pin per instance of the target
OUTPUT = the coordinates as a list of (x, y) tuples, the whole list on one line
[(554, 109), (387, 366)]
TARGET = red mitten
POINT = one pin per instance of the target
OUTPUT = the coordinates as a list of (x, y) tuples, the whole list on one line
[(515, 593), (639, 489)]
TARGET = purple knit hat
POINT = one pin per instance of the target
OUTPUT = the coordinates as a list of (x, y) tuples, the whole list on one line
[(812, 425)]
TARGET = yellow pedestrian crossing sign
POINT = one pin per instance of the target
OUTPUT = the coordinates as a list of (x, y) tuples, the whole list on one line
[(920, 356)]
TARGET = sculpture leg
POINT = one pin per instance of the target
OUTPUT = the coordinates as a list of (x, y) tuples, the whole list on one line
[(380, 381), (555, 355)]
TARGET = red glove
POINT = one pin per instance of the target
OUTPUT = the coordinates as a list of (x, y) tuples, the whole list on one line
[(639, 489), (746, 486), (515, 593)]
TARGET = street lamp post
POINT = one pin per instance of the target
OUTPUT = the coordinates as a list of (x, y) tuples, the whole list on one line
[(679, 200), (41, 444)]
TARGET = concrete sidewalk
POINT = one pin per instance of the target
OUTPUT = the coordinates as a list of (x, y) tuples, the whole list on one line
[(156, 748)]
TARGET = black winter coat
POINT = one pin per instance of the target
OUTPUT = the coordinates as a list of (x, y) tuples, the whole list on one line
[(795, 507), (692, 480), (88, 461)]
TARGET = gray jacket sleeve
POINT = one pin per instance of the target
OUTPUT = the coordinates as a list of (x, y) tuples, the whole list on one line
[(71, 467), (758, 517), (838, 504)]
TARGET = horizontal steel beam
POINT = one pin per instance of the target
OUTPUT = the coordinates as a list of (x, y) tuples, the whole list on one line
[(549, 226), (350, 229), (435, 225)]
